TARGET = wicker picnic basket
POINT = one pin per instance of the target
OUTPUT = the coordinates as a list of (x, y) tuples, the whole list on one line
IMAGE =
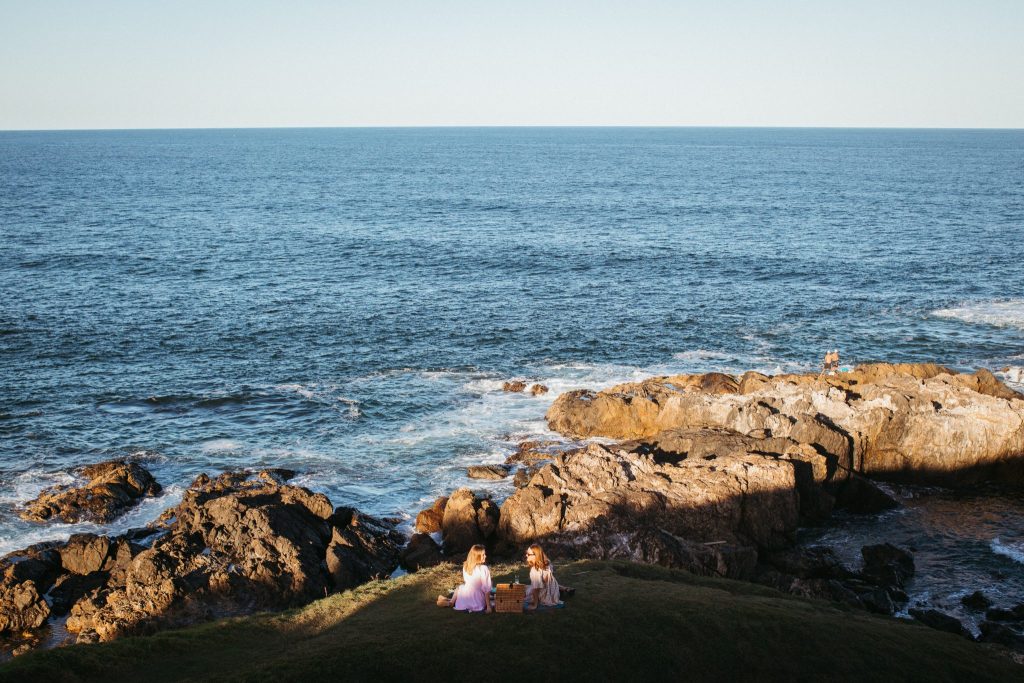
[(508, 597)]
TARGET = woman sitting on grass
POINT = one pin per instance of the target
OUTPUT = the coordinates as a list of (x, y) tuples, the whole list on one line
[(474, 595), (543, 588)]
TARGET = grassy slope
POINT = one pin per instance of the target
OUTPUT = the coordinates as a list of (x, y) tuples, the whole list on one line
[(627, 622)]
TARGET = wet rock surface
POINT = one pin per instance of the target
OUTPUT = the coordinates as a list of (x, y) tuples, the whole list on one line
[(112, 488), (236, 543)]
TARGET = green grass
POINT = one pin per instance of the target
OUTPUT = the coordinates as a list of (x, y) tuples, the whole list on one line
[(626, 622)]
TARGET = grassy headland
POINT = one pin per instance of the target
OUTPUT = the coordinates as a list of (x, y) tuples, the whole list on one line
[(626, 622)]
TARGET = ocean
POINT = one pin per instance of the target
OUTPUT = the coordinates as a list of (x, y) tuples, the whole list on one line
[(348, 302)]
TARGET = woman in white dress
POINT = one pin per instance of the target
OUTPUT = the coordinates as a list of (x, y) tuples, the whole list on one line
[(474, 595), (543, 588)]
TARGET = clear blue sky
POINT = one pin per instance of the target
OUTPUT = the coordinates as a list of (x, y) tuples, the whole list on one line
[(183, 63)]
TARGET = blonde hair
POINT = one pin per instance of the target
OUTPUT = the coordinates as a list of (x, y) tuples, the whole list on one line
[(540, 560), (474, 559)]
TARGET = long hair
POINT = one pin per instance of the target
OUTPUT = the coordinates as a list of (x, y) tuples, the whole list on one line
[(539, 560), (474, 559)]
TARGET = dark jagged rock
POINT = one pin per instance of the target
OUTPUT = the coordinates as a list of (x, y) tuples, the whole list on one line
[(70, 588), (25, 577), (1015, 613), (1001, 634), (860, 495), (421, 552), (361, 548), (112, 488), (878, 601), (886, 565), (84, 553), (39, 563), (236, 543), (533, 452), (22, 607), (487, 471), (808, 563), (429, 521), (523, 476), (467, 521), (940, 621), (976, 601)]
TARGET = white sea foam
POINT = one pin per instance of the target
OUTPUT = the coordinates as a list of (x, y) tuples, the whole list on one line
[(1009, 313), (1014, 551), (18, 535), (326, 394), (703, 355), (28, 485), (1013, 376), (220, 446)]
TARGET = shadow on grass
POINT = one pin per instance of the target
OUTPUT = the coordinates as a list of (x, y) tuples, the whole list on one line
[(627, 622)]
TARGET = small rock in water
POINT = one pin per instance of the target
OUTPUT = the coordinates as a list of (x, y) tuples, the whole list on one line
[(113, 487), (532, 452), (887, 565), (487, 471), (940, 621), (538, 389), (514, 386), (976, 601)]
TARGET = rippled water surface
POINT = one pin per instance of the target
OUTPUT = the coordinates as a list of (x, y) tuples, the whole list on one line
[(348, 302)]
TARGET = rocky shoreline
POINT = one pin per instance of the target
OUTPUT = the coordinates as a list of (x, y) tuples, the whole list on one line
[(709, 473)]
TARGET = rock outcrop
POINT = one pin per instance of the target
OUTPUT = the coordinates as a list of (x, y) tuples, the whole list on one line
[(487, 471), (112, 488), (429, 521), (468, 520), (919, 423), (707, 510), (421, 552), (235, 544)]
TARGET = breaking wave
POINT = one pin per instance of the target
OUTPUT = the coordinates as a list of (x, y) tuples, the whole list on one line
[(1008, 313)]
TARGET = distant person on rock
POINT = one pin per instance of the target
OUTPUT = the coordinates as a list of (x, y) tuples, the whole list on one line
[(830, 364), (474, 595), (543, 588)]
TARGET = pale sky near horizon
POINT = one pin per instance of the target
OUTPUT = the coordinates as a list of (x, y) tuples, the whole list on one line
[(142, 64)]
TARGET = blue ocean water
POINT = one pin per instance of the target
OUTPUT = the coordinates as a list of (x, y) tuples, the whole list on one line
[(347, 302)]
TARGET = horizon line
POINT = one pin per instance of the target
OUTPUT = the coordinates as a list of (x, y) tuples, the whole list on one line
[(507, 126)]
